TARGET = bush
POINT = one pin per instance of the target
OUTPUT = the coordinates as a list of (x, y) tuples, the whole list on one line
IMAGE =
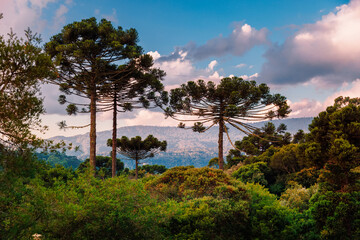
[(189, 182), (253, 173), (207, 218), (270, 220), (337, 214), (84, 208)]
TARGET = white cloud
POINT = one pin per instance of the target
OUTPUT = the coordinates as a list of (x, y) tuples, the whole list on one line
[(251, 77), (181, 70), (146, 117), (59, 18), (325, 52), (212, 64), (22, 14), (241, 65)]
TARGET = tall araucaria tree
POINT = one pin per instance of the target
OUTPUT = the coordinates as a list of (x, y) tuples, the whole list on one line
[(137, 85), (234, 102), (85, 53)]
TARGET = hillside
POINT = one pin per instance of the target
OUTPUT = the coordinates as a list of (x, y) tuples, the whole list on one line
[(184, 146)]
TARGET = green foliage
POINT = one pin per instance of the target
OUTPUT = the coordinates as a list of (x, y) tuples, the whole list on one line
[(188, 182), (137, 149), (286, 159), (333, 143), (297, 197), (337, 214), (114, 208), (103, 166), (207, 218), (262, 139), (306, 177), (22, 66), (270, 220), (54, 158), (153, 169), (253, 173), (214, 162)]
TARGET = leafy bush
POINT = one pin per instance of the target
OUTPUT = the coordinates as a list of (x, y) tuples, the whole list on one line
[(189, 182), (270, 220), (297, 197), (337, 214), (207, 218), (84, 208), (253, 173)]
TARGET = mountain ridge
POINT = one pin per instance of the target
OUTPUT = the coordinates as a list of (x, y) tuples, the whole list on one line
[(185, 147)]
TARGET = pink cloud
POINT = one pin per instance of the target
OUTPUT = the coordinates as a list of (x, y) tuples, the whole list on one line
[(311, 107), (325, 52)]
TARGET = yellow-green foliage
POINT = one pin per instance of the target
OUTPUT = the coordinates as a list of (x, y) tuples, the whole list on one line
[(297, 196), (188, 182)]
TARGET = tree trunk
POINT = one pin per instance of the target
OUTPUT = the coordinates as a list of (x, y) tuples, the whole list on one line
[(93, 132), (136, 169), (221, 143), (113, 152)]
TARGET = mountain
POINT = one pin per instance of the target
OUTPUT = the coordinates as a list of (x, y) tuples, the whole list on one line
[(185, 147)]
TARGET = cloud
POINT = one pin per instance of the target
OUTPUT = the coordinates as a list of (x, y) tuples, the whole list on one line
[(324, 53), (251, 77), (112, 17), (311, 107), (241, 65), (242, 39), (181, 70), (59, 18), (22, 14), (212, 64), (149, 118)]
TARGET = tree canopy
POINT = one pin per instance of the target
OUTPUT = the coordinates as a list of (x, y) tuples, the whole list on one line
[(86, 53), (234, 102), (138, 149), (22, 66)]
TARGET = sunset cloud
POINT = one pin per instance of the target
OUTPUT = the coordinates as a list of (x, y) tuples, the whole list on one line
[(325, 53)]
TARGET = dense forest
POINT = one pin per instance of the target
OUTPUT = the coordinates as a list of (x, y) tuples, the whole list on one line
[(271, 185)]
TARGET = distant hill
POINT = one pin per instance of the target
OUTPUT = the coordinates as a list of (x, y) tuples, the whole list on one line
[(185, 147)]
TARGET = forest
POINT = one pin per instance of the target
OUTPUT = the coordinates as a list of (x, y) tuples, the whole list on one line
[(271, 185)]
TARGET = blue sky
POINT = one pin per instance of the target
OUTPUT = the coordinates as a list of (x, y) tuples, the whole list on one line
[(305, 50)]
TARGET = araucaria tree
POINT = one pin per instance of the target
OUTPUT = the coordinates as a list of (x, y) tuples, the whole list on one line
[(22, 66), (234, 102), (136, 85), (85, 53), (137, 149)]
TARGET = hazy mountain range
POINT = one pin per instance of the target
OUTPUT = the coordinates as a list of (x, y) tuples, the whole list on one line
[(185, 147)]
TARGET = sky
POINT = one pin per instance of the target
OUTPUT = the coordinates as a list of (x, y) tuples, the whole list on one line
[(306, 50)]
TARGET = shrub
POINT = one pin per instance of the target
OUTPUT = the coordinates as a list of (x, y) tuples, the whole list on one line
[(188, 182)]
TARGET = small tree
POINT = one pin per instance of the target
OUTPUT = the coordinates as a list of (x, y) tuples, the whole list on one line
[(137, 150), (103, 166), (234, 101)]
